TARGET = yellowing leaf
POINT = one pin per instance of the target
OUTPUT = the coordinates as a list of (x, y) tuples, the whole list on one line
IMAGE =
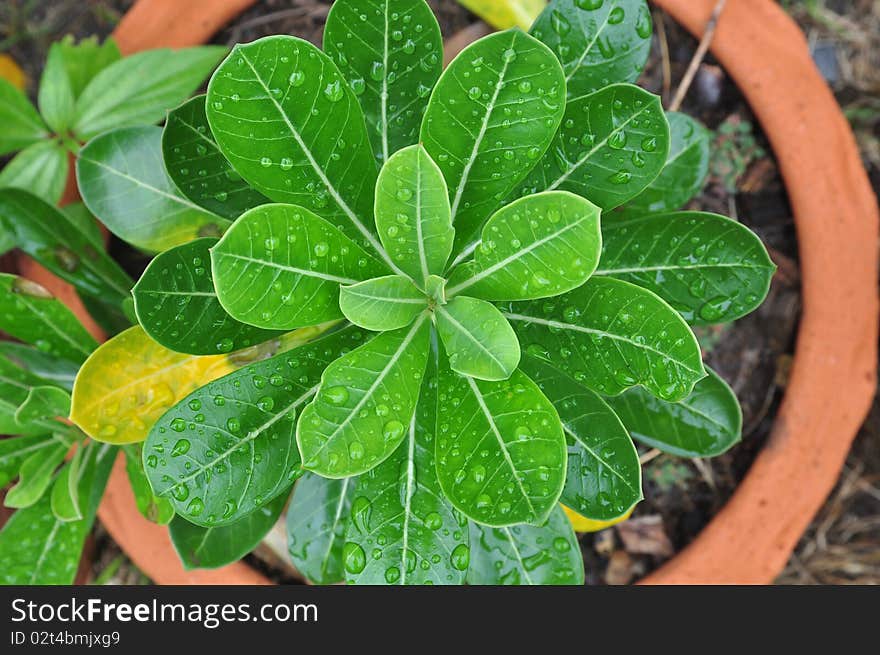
[(126, 385), (503, 14), (130, 381), (583, 524), (11, 72)]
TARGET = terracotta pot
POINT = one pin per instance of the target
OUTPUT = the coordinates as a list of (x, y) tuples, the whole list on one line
[(834, 374)]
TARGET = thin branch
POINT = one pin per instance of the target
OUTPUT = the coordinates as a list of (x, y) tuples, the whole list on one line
[(660, 22), (699, 55)]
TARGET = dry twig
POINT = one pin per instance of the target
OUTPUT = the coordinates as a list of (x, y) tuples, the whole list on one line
[(698, 57)]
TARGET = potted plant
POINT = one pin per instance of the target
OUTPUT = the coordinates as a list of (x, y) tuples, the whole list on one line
[(457, 336)]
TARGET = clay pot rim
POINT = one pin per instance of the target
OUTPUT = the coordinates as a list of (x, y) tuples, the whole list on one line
[(750, 540)]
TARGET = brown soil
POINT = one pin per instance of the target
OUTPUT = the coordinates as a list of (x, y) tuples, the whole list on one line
[(754, 354)]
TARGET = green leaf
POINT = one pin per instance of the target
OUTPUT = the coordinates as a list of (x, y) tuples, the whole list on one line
[(706, 424), (22, 125), (526, 555), (316, 520), (535, 247), (139, 89), (35, 476), (38, 549), (123, 182), (228, 448), (86, 59), (491, 117), (41, 168), (287, 121), (280, 267), (15, 385), (30, 313), (611, 335), (55, 97), (383, 303), (152, 507), (500, 449), (611, 146), (478, 339), (80, 216), (604, 479), (64, 499), (391, 53), (210, 548), (43, 403), (413, 215), (59, 243), (366, 401), (15, 450), (711, 269), (110, 316), (598, 42), (177, 305), (197, 166), (44, 366), (685, 170), (402, 530)]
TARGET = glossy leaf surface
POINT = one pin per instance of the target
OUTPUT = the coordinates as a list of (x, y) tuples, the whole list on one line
[(705, 424), (402, 530), (41, 168), (21, 123), (286, 119), (15, 450), (526, 554), (123, 182), (478, 340), (535, 247), (210, 548), (85, 59), (198, 168), (30, 313), (391, 53), (152, 507), (500, 449), (612, 144), (604, 479), (685, 170), (611, 335), (52, 370), (413, 215), (130, 381), (599, 42), (35, 475), (64, 500), (177, 305), (141, 88), (280, 267), (43, 403), (316, 520), (15, 385), (37, 548), (228, 448), (383, 303), (62, 245), (491, 117), (710, 268), (366, 401), (55, 97)]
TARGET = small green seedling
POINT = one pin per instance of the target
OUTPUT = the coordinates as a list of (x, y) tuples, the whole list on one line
[(436, 305)]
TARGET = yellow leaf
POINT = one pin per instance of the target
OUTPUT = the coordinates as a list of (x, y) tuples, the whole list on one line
[(11, 72), (502, 14), (583, 524), (129, 382)]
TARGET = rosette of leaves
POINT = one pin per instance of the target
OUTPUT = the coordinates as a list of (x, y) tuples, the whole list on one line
[(502, 282)]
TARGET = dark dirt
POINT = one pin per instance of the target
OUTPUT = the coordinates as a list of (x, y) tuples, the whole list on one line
[(754, 354)]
